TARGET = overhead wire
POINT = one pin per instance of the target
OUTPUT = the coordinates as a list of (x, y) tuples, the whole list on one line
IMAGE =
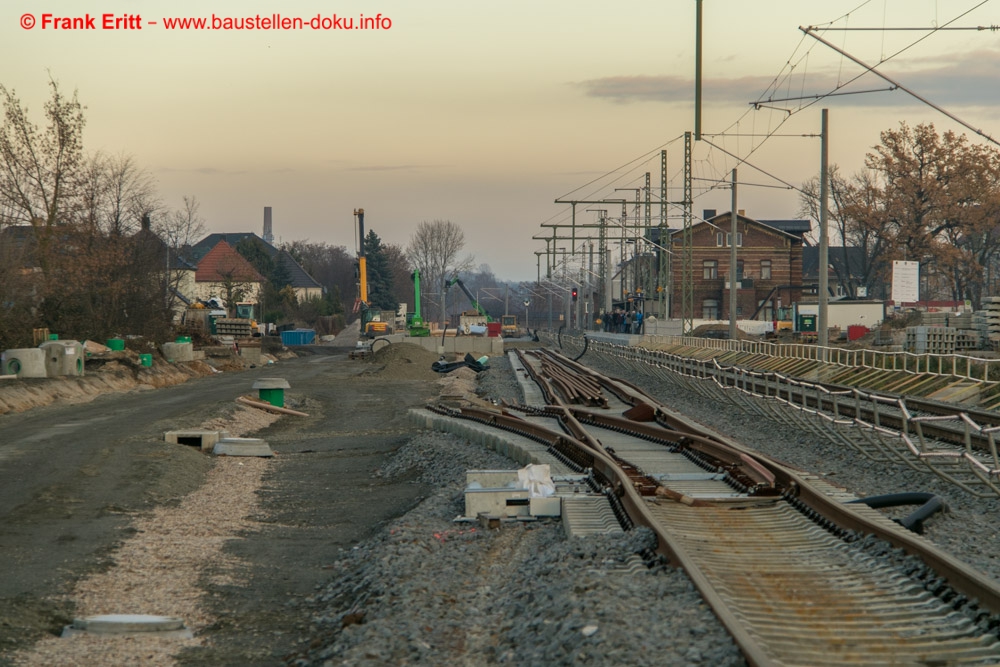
[(782, 79)]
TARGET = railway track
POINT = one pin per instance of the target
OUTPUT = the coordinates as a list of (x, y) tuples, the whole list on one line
[(797, 576), (957, 443)]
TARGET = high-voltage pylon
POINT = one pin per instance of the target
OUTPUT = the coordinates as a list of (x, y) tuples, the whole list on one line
[(663, 270)]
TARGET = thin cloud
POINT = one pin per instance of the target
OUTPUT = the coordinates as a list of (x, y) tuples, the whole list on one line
[(962, 80), (206, 171), (393, 167)]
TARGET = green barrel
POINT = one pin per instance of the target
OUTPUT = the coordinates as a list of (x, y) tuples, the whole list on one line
[(146, 359), (116, 344)]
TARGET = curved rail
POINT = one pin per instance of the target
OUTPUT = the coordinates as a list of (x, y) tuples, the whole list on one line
[(796, 576)]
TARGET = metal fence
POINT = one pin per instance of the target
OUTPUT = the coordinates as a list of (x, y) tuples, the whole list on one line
[(893, 433), (962, 366)]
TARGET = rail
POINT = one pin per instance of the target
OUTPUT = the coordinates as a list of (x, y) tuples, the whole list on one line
[(792, 572), (958, 446)]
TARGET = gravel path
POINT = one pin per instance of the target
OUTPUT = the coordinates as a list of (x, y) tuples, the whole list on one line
[(432, 591)]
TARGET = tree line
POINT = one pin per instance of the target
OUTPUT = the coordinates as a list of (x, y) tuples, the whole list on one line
[(88, 248), (922, 196)]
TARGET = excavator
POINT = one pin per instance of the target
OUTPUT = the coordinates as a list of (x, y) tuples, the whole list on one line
[(475, 304), (415, 325), (371, 318)]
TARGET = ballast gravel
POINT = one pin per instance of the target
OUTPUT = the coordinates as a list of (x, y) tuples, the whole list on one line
[(430, 590)]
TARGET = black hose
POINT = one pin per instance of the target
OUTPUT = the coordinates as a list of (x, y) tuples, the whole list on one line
[(586, 341), (559, 335), (929, 503), (443, 332)]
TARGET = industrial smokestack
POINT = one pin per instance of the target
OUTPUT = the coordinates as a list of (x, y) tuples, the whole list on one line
[(268, 233)]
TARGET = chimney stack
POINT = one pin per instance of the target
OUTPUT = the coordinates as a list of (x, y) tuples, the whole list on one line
[(268, 233)]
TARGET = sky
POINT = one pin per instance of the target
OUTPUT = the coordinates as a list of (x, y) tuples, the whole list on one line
[(484, 113)]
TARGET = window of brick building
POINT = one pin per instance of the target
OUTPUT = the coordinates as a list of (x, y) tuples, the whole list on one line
[(710, 309), (765, 269), (710, 269)]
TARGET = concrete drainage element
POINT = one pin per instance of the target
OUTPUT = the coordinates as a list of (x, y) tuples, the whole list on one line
[(272, 390), (196, 437), (63, 357), (242, 447), (178, 352), (128, 624), (24, 363)]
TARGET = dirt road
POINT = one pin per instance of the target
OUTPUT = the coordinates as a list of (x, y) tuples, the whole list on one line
[(70, 475)]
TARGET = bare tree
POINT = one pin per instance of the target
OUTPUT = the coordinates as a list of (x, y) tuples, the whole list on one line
[(435, 249), (181, 227), (40, 169)]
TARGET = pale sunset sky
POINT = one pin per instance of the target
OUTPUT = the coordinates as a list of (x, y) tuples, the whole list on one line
[(483, 113)]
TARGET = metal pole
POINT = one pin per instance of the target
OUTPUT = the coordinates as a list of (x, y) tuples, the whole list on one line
[(590, 284), (822, 324), (697, 73), (663, 280), (607, 284), (732, 265)]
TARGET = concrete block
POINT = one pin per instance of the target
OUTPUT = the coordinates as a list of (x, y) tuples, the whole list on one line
[(242, 447), (497, 502), (63, 357), (24, 363), (174, 352), (551, 506), (271, 383), (251, 353), (491, 479), (129, 624), (202, 438)]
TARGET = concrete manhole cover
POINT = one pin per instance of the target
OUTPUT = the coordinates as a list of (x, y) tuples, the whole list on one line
[(118, 624)]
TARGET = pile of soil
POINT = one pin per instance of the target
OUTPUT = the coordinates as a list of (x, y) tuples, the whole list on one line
[(118, 375), (717, 331), (401, 361)]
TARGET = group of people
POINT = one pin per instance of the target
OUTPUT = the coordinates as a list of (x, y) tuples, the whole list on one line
[(622, 321)]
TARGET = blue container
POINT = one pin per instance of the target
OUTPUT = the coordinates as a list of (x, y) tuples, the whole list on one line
[(298, 337)]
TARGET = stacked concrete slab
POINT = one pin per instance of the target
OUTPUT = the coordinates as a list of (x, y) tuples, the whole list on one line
[(992, 313), (931, 340)]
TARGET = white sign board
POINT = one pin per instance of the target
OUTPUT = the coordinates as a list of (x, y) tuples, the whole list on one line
[(905, 282)]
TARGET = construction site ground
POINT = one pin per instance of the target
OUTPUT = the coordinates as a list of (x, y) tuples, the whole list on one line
[(82, 463)]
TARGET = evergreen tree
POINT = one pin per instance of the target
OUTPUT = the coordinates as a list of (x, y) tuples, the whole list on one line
[(380, 281)]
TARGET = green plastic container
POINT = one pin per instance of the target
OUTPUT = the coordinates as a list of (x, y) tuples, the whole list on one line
[(183, 339), (146, 359), (116, 344), (53, 336), (275, 397)]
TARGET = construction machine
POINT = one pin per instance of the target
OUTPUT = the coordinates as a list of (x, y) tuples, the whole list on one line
[(475, 304), (371, 319), (415, 325), (508, 326)]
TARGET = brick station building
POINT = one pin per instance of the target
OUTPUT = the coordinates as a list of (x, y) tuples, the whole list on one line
[(768, 268)]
